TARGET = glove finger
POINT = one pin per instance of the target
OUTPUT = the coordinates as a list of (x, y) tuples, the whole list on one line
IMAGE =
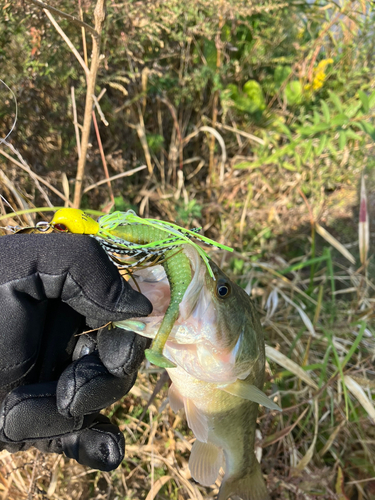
[(86, 344), (44, 445), (121, 351), (87, 387), (29, 413), (100, 446), (15, 447), (74, 268)]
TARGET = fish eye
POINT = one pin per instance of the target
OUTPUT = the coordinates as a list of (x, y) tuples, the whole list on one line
[(60, 227), (223, 290)]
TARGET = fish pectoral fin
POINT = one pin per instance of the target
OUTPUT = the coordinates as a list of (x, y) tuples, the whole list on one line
[(176, 401), (196, 420), (134, 326), (250, 392), (205, 462)]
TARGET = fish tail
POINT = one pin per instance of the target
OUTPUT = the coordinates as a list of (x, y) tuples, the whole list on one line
[(251, 486)]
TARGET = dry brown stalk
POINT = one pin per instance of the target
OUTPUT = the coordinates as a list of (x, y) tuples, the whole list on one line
[(66, 189), (141, 131), (21, 202), (70, 18), (178, 130), (114, 177), (250, 194), (99, 109), (75, 122), (104, 161), (242, 133), (67, 41), (91, 73), (83, 33), (36, 178), (215, 134), (99, 15)]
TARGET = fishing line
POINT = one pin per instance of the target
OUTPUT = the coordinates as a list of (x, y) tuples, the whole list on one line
[(10, 206), (16, 152), (15, 118), (4, 140)]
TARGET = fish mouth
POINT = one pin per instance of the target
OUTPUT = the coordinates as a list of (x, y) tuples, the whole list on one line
[(153, 283), (196, 323), (193, 344)]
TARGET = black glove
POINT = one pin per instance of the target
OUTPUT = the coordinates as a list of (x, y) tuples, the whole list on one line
[(53, 381)]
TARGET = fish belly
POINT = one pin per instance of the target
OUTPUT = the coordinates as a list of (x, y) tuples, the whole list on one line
[(224, 426)]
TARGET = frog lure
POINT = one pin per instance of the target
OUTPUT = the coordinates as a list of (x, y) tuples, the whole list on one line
[(144, 240)]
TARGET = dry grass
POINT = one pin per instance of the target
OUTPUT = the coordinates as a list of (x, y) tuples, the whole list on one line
[(312, 315), (318, 372)]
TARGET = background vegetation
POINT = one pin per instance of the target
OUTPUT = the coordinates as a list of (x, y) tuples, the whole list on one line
[(254, 120)]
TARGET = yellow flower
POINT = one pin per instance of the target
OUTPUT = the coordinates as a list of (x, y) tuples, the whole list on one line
[(323, 64), (319, 75), (300, 33)]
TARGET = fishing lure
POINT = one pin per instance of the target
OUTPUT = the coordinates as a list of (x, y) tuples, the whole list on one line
[(143, 239), (40, 227)]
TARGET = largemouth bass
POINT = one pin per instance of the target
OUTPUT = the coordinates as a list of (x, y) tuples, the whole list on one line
[(124, 233), (217, 345)]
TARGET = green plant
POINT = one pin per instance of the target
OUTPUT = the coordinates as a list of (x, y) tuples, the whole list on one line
[(186, 213)]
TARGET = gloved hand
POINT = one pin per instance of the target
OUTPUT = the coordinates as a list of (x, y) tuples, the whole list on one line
[(53, 381)]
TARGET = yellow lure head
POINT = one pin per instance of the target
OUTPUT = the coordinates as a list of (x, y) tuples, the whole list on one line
[(73, 220)]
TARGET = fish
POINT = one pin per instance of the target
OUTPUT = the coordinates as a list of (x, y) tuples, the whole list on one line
[(124, 235), (217, 345)]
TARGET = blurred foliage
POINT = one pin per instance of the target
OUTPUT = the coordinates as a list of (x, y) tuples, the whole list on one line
[(297, 76)]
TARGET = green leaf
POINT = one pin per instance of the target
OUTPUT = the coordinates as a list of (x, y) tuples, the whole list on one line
[(322, 144), (355, 344), (289, 148), (364, 100), (353, 109), (339, 120), (368, 128), (226, 34), (289, 166), (353, 135), (317, 117), (232, 90), (293, 92), (281, 74), (305, 263), (308, 150), (283, 128), (155, 142), (254, 92), (314, 129), (325, 109), (298, 161), (342, 139), (246, 164), (371, 100), (210, 53), (251, 100), (332, 149), (336, 100)]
